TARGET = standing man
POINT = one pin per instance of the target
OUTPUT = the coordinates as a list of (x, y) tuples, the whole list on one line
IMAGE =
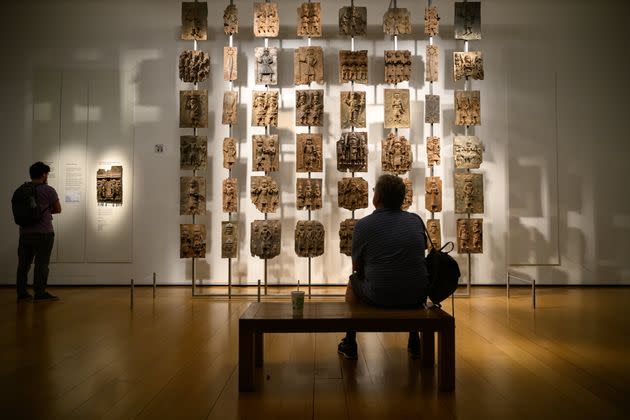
[(388, 260), (34, 203)]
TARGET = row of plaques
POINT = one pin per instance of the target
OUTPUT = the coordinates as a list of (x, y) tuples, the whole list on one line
[(352, 20)]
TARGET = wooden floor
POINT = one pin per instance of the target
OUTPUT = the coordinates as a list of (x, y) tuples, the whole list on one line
[(90, 357)]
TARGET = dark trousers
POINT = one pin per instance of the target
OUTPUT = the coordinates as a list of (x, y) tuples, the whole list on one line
[(38, 247)]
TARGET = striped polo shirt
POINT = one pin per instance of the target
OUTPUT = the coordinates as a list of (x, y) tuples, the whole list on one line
[(388, 248)]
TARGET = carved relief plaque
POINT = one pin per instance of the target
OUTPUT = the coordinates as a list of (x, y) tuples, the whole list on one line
[(432, 66), (433, 194), (352, 21), (266, 20), (265, 108), (230, 108), (193, 152), (265, 194), (396, 155), (396, 108), (194, 20), (265, 238), (309, 153), (468, 152), (468, 193), (192, 241), (230, 66), (431, 21), (352, 193), (229, 239), (193, 108), (397, 21), (467, 20), (309, 20), (353, 66), (397, 66), (433, 151), (432, 109), (308, 194), (309, 238), (352, 109), (467, 107), (230, 195), (408, 194), (346, 228), (352, 152), (434, 231), (194, 66), (309, 107), (265, 153), (266, 65), (470, 236), (192, 195), (109, 186), (308, 65), (230, 20), (468, 65), (229, 152)]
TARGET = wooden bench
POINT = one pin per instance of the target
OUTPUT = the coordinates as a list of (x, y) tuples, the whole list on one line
[(275, 317)]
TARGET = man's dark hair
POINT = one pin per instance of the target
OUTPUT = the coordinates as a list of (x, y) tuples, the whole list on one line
[(391, 191), (38, 169)]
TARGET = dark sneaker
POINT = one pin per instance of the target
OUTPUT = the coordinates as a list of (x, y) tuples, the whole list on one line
[(45, 297), (23, 297), (413, 345), (348, 349)]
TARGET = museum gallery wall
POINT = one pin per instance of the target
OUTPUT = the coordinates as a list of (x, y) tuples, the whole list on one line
[(148, 70)]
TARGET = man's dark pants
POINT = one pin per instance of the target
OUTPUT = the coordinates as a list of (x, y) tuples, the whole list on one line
[(38, 247)]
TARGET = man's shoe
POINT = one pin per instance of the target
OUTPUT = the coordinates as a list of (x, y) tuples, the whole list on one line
[(45, 297), (348, 349), (413, 346), (23, 297)]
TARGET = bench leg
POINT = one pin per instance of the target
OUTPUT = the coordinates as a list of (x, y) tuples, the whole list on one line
[(446, 359), (245, 360), (427, 350), (258, 349)]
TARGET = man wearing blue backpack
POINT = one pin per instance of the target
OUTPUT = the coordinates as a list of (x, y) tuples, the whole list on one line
[(33, 205)]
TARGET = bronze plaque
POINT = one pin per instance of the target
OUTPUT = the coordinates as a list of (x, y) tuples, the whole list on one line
[(353, 66), (265, 194), (265, 238), (468, 193), (230, 108), (194, 20), (193, 108), (431, 21), (352, 193), (309, 107), (229, 239), (309, 22), (265, 108), (434, 231), (308, 194), (432, 109), (470, 236), (109, 186), (408, 194), (194, 66), (230, 195), (192, 195), (397, 66), (467, 107), (433, 151), (266, 20), (352, 21), (468, 65), (230, 20), (308, 65), (229, 152), (396, 155), (309, 238), (397, 21), (265, 153), (309, 153), (433, 194), (193, 152), (468, 152), (266, 65), (352, 152), (352, 109), (230, 65), (192, 241), (431, 70), (467, 20), (346, 228), (396, 108)]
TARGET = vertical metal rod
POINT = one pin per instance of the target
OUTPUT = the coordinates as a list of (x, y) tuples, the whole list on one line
[(265, 276), (469, 275), (131, 295), (507, 284), (154, 285), (258, 293), (534, 293), (309, 277), (453, 305), (193, 277), (229, 278)]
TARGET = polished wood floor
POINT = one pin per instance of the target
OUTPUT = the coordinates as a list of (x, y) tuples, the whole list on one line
[(90, 357)]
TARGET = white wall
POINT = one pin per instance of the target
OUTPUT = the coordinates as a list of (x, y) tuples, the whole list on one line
[(552, 128)]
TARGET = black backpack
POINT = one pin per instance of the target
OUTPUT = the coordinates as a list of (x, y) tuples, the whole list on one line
[(443, 271), (26, 211)]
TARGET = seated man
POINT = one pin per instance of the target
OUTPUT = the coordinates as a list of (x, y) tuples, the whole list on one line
[(388, 259)]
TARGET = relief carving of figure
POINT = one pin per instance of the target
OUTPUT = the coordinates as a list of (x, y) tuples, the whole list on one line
[(431, 21), (194, 20), (230, 195), (352, 109), (265, 194), (352, 21), (353, 66), (470, 236), (397, 21), (352, 152), (467, 107), (265, 156), (230, 108), (433, 194), (193, 108), (432, 67), (229, 152), (309, 106), (352, 193), (468, 65), (309, 153), (468, 193), (230, 65), (266, 65), (397, 66), (308, 65), (308, 194), (266, 20), (467, 20), (192, 241), (193, 152), (309, 20), (109, 186), (396, 108), (230, 20), (432, 109), (194, 66), (192, 195), (468, 152), (408, 194), (433, 151), (396, 156), (265, 238), (229, 239), (265, 108), (435, 234), (345, 236), (309, 238)]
